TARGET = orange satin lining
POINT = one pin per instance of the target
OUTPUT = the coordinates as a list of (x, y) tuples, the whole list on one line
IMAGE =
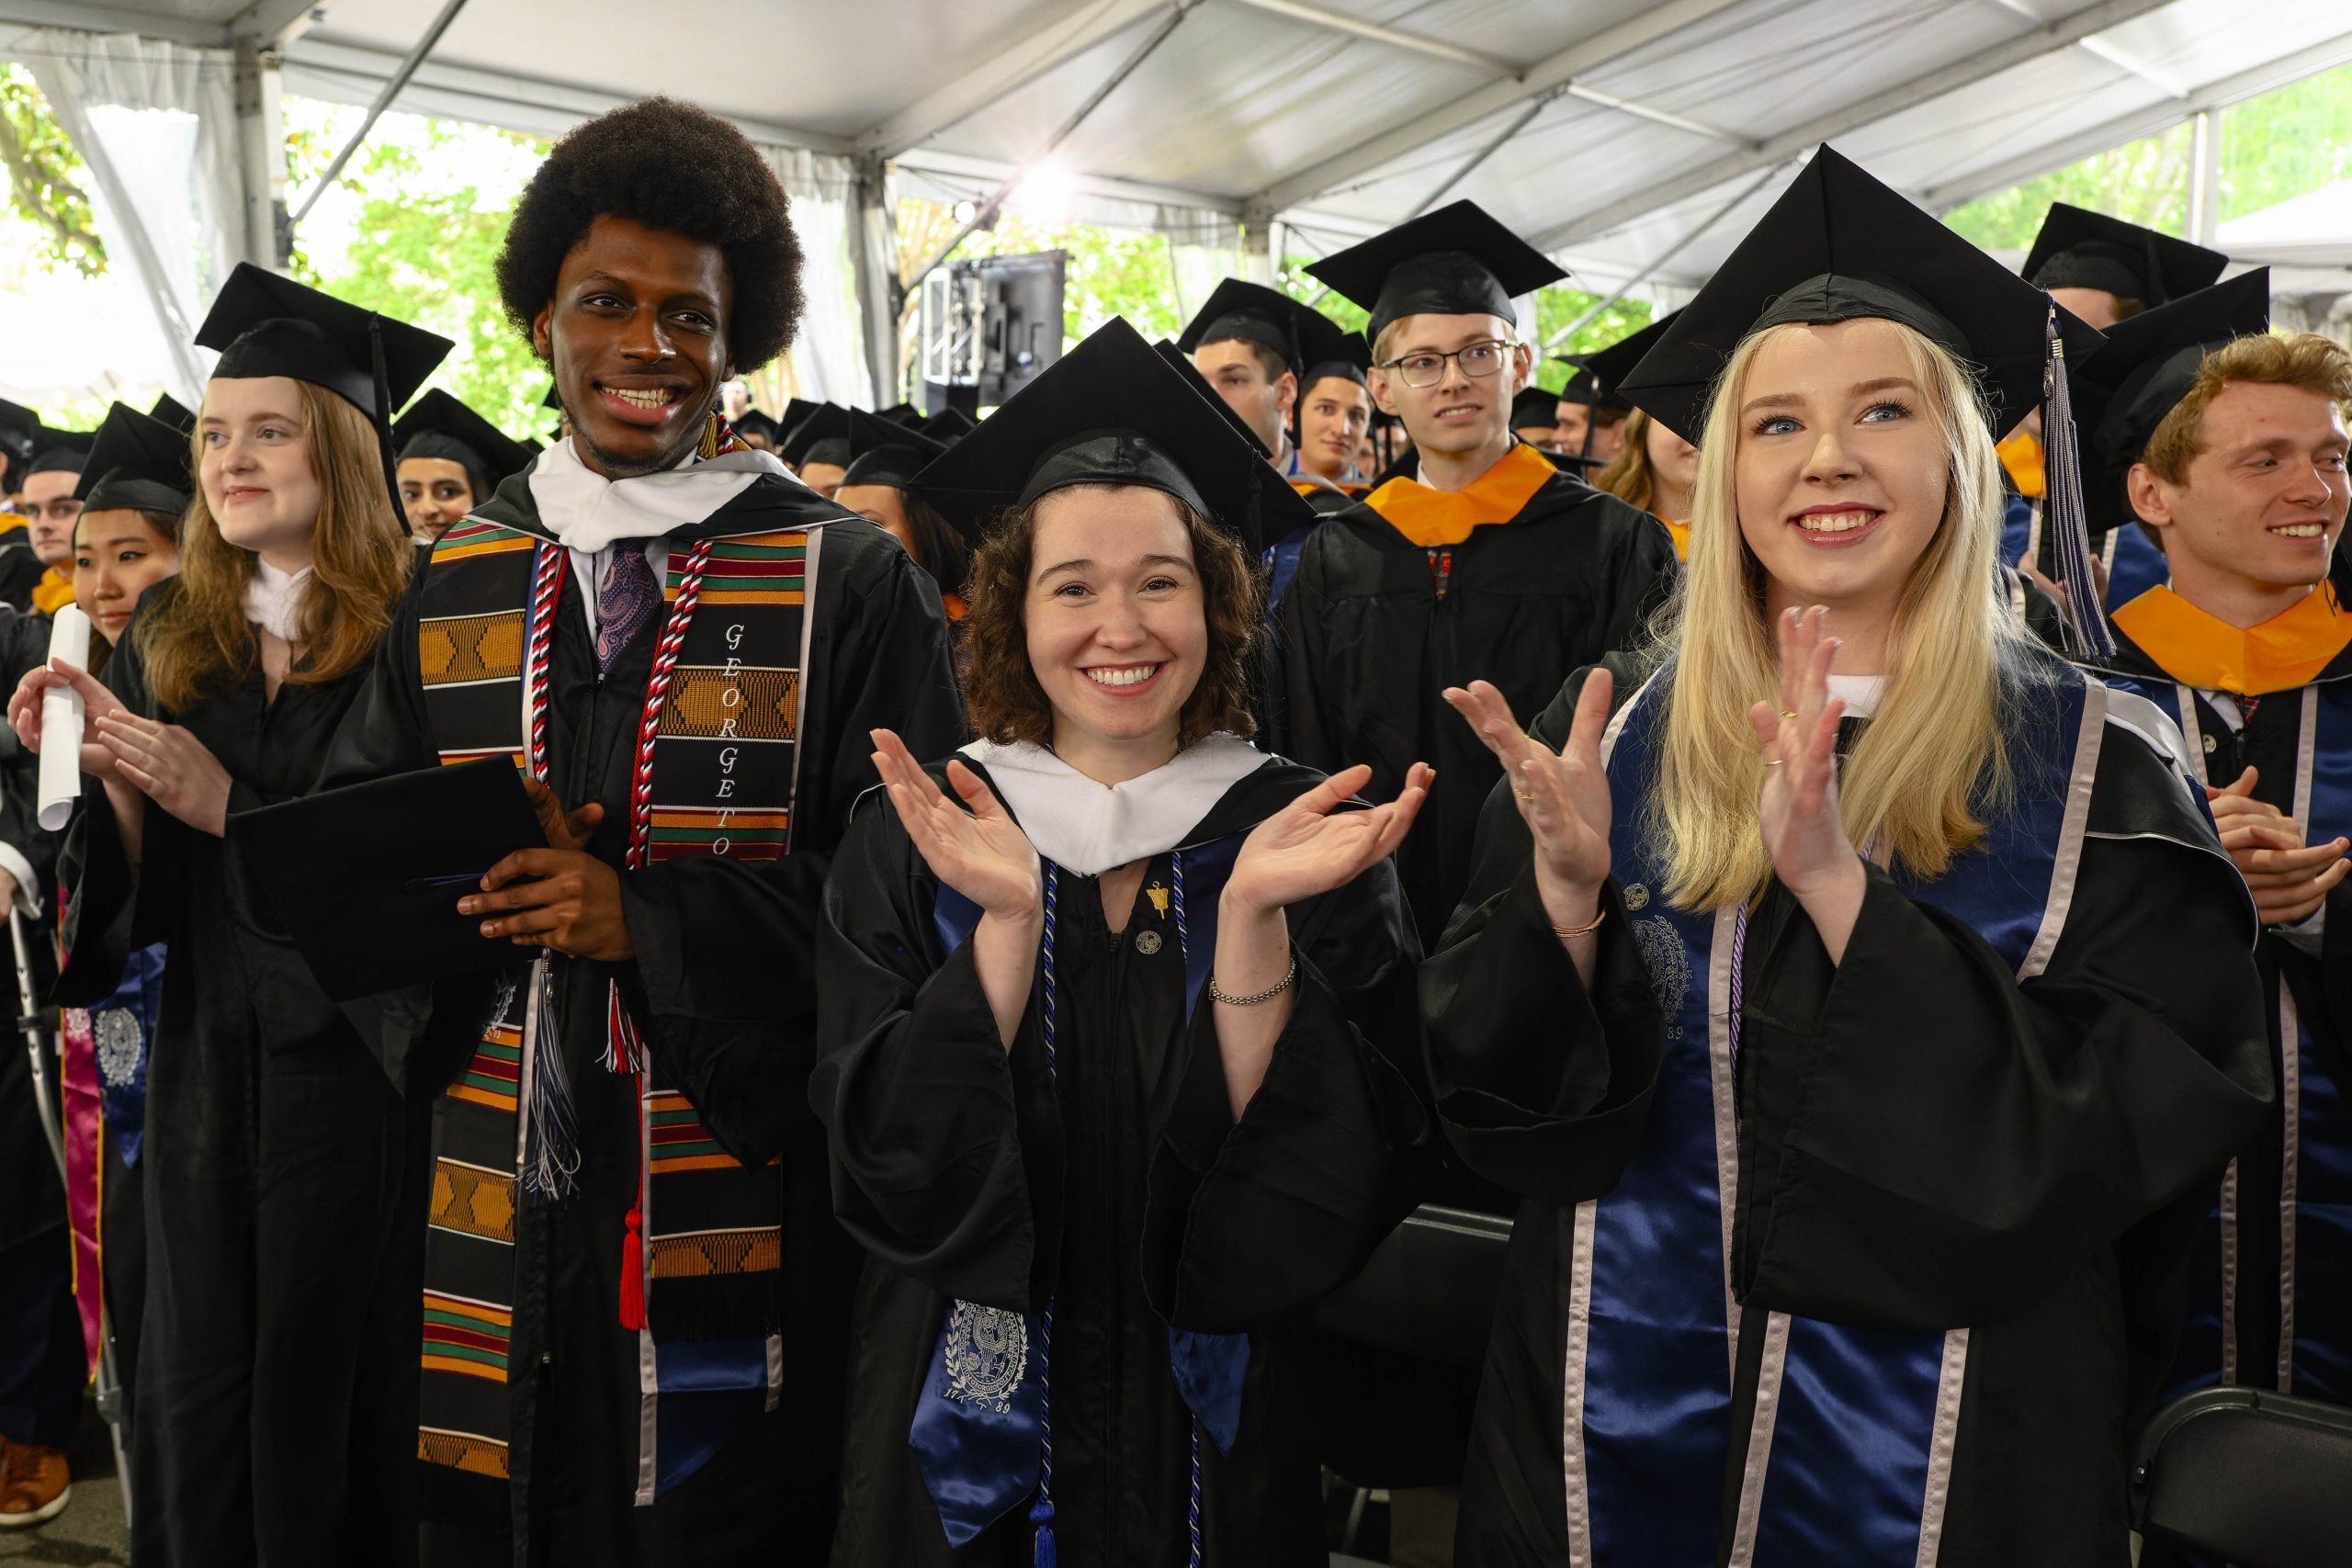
[(54, 590), (2021, 456), (1681, 532), (1433, 517), (2288, 651)]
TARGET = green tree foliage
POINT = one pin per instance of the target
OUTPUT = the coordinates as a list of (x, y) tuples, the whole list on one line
[(2287, 143), (47, 183), (423, 250), (2143, 182)]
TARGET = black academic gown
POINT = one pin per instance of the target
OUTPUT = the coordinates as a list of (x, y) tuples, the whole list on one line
[(32, 1200), (724, 981), (1372, 628), (2300, 741), (20, 570), (1121, 1188), (286, 1177), (1924, 1143)]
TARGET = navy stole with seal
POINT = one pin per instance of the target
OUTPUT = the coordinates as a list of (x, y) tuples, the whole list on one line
[(718, 780), (1849, 1459)]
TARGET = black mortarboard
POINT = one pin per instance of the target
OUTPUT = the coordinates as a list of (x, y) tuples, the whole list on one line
[(173, 413), (1112, 410), (1330, 349), (1839, 246), (2123, 390), (949, 424), (138, 463), (439, 425), (268, 325), (903, 413), (820, 436), (1250, 313), (392, 857), (1535, 406), (2081, 249), (1181, 363), (1605, 367), (19, 432), (61, 457), (884, 452), (1456, 261)]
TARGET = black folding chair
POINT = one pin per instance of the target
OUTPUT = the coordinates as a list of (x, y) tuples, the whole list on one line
[(2256, 1479)]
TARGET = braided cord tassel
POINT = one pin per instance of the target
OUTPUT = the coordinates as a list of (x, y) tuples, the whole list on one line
[(1183, 953), (1041, 1513), (2070, 538), (550, 1156), (546, 587), (1192, 1505)]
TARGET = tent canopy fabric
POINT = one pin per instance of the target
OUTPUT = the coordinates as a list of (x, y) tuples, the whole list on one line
[(1632, 140)]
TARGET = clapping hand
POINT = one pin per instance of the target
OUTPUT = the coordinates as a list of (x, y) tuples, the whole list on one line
[(2288, 881), (1798, 810), (981, 852), (167, 764), (1563, 796), (1310, 847)]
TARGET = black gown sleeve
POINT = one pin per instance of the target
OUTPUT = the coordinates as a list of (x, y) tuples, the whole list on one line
[(1542, 1085), (1253, 1220), (1928, 1142), (727, 951), (113, 908), (921, 1103)]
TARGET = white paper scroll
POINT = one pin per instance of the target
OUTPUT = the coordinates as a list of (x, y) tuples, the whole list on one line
[(60, 721)]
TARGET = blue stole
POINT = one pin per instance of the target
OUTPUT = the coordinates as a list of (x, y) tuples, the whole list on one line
[(123, 1027), (2315, 1250), (1281, 562), (981, 1430), (1839, 1456)]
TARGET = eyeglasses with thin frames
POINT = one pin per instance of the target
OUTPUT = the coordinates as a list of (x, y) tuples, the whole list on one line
[(1478, 360)]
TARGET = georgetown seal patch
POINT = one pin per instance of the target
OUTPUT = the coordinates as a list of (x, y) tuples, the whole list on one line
[(985, 1352)]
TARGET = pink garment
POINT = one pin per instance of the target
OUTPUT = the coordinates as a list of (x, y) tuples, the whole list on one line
[(79, 1053)]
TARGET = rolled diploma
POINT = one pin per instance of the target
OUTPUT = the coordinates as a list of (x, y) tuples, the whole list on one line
[(60, 722)]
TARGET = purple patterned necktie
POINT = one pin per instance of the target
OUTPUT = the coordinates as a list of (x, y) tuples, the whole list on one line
[(625, 602)]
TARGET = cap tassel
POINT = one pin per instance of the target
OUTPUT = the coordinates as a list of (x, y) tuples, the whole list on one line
[(2063, 521), (384, 418)]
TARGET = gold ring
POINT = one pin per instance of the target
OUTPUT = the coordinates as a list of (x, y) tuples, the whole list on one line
[(1524, 793), (1788, 713), (1772, 761)]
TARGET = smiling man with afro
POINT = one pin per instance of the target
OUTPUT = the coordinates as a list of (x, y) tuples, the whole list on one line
[(667, 1337)]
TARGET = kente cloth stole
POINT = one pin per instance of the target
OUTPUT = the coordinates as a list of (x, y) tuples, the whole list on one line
[(714, 772)]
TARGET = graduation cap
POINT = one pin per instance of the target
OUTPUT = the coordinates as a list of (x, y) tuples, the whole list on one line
[(883, 452), (268, 325), (137, 463), (949, 424), (903, 413), (19, 430), (2122, 392), (173, 413), (1839, 246), (1535, 406), (1330, 350), (1181, 363), (1456, 261), (439, 425), (822, 436), (1112, 410), (62, 451), (2081, 249), (1595, 383), (1250, 313)]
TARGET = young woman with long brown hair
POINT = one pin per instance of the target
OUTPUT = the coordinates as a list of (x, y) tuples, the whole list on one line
[(1857, 993), (285, 1172)]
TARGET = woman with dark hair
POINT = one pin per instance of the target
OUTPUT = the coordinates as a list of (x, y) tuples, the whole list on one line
[(884, 458), (284, 1173), (450, 461), (1116, 1072)]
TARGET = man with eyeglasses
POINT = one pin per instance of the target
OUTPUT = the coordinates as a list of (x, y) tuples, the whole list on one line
[(50, 510), (1478, 559)]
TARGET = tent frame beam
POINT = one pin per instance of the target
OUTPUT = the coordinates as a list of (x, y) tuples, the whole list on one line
[(1004, 74), (1538, 80), (1879, 107)]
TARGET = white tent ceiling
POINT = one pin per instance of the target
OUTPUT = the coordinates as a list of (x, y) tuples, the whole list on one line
[(1610, 130)]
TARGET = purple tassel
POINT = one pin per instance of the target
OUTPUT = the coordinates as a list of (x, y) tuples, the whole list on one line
[(2062, 510)]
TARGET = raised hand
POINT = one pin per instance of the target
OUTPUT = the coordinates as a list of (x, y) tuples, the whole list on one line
[(1798, 808), (24, 712), (981, 854), (2288, 881), (1562, 797), (1310, 847), (168, 765)]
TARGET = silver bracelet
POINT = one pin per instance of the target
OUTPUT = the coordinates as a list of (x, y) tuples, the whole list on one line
[(1276, 989)]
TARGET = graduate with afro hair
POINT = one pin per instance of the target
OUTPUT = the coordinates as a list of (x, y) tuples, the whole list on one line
[(634, 1353)]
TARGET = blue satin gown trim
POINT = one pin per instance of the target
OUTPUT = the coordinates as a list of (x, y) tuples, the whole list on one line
[(1849, 1459)]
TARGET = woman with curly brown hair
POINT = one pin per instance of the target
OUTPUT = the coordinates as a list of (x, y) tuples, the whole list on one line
[(1117, 1070), (285, 1174)]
